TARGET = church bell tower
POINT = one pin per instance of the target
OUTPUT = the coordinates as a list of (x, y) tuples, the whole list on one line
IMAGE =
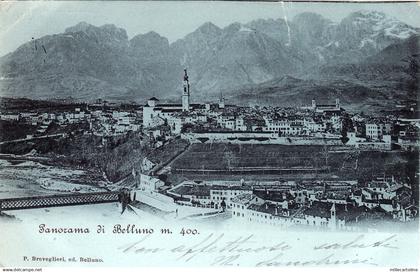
[(186, 93)]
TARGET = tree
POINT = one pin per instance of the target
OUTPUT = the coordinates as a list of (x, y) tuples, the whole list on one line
[(53, 127), (325, 152), (186, 128), (229, 158), (346, 126), (223, 204), (344, 138)]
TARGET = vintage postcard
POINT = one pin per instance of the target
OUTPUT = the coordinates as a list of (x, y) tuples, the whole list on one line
[(277, 135)]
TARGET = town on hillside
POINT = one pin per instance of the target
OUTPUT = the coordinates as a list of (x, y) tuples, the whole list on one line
[(313, 166)]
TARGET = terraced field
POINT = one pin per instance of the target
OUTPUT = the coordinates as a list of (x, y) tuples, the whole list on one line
[(299, 159)]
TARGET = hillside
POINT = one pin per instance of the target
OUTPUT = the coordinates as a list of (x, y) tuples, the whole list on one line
[(365, 59), (379, 82)]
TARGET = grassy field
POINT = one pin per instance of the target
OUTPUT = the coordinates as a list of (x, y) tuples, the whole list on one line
[(346, 165), (166, 152)]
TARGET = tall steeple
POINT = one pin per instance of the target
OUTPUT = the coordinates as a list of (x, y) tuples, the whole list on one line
[(186, 93), (221, 101)]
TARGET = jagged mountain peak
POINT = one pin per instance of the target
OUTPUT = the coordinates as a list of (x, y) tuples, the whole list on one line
[(204, 34), (151, 36), (112, 28), (264, 21), (232, 28), (237, 29), (309, 17), (371, 31), (88, 59), (277, 29), (370, 14), (107, 29), (149, 45), (79, 27), (209, 28), (375, 20), (312, 30)]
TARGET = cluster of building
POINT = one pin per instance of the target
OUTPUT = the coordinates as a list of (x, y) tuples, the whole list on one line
[(99, 118), (322, 204), (221, 122), (222, 117), (115, 122)]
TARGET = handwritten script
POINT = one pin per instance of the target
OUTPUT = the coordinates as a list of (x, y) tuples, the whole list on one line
[(220, 250)]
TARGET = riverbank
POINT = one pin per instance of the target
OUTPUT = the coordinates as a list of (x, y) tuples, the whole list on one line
[(20, 178)]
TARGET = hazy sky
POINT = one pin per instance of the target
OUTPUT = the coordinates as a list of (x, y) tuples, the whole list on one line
[(20, 21)]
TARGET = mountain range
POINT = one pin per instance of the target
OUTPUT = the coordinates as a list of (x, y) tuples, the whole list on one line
[(367, 60)]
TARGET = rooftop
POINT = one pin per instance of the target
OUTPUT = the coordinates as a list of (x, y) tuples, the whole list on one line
[(171, 110), (276, 196), (345, 212), (197, 190), (268, 208), (243, 199)]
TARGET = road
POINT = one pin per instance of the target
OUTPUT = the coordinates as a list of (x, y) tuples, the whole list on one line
[(34, 138)]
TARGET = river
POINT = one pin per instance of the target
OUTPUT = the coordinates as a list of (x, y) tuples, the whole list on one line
[(20, 178)]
